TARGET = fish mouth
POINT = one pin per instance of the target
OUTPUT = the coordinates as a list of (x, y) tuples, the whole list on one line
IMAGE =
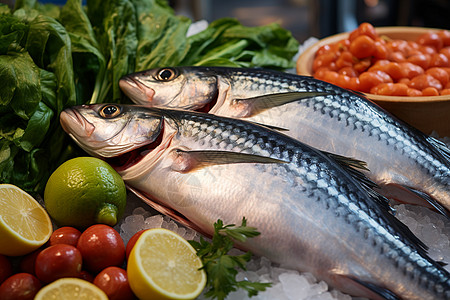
[(134, 89), (82, 126), (126, 160)]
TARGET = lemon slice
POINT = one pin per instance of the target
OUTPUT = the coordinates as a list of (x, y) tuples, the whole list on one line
[(24, 223), (163, 265), (71, 288)]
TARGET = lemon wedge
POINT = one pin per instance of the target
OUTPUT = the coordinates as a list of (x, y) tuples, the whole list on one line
[(24, 223), (163, 265), (71, 288)]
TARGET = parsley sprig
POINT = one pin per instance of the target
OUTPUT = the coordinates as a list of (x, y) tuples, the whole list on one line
[(222, 268)]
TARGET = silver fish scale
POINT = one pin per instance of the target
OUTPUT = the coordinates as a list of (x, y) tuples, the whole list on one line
[(342, 198), (344, 106)]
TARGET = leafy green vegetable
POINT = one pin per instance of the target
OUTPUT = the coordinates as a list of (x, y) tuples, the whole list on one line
[(221, 268)]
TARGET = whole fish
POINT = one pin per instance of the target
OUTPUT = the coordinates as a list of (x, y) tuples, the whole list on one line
[(312, 212), (408, 165)]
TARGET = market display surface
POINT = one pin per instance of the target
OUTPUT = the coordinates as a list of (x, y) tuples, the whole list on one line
[(311, 185)]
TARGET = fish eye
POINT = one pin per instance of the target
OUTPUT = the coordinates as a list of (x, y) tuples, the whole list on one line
[(166, 74), (109, 111)]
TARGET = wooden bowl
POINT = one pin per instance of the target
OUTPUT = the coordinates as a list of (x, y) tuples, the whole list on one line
[(428, 113)]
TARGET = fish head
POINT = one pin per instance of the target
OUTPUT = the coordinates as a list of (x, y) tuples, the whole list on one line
[(120, 134), (182, 87)]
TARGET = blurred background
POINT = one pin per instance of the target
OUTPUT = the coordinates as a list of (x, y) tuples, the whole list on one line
[(318, 18)]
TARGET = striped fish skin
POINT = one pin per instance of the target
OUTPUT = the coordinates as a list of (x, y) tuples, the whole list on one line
[(341, 122), (311, 214)]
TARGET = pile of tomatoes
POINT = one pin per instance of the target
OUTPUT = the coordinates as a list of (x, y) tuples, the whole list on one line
[(97, 254), (375, 64)]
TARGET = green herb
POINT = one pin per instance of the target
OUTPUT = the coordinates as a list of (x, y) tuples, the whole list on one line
[(222, 268)]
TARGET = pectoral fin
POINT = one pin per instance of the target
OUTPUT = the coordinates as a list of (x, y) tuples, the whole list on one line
[(409, 195), (362, 288), (255, 105), (176, 216), (187, 161)]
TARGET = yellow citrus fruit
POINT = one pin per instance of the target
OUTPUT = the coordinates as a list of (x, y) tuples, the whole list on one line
[(163, 265), (71, 288), (84, 191), (24, 223)]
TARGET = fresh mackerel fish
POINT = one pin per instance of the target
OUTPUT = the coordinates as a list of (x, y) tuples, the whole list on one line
[(315, 213), (408, 165)]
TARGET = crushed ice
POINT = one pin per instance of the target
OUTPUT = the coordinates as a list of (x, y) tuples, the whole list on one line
[(430, 227)]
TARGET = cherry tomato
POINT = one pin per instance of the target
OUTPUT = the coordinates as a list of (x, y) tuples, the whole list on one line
[(101, 246), (445, 37), (431, 39), (20, 286), (439, 60), (413, 92), (362, 65), (381, 51), (367, 29), (114, 282), (349, 71), (410, 70), (58, 261), (324, 49), (344, 60), (420, 59), (423, 81), (396, 56), (133, 241), (445, 51), (430, 91), (65, 235), (330, 76), (27, 263), (440, 74), (368, 80), (5, 268), (362, 46), (324, 60), (394, 70)]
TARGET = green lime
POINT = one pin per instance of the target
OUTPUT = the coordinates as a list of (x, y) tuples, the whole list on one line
[(84, 191)]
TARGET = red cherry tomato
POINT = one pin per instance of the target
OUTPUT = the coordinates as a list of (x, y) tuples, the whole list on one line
[(101, 246), (362, 46), (114, 282), (20, 286), (132, 241), (27, 263), (65, 235), (58, 261), (5, 268), (432, 39)]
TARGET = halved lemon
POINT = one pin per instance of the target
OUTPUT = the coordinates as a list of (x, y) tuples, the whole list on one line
[(24, 223), (71, 288), (163, 265)]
